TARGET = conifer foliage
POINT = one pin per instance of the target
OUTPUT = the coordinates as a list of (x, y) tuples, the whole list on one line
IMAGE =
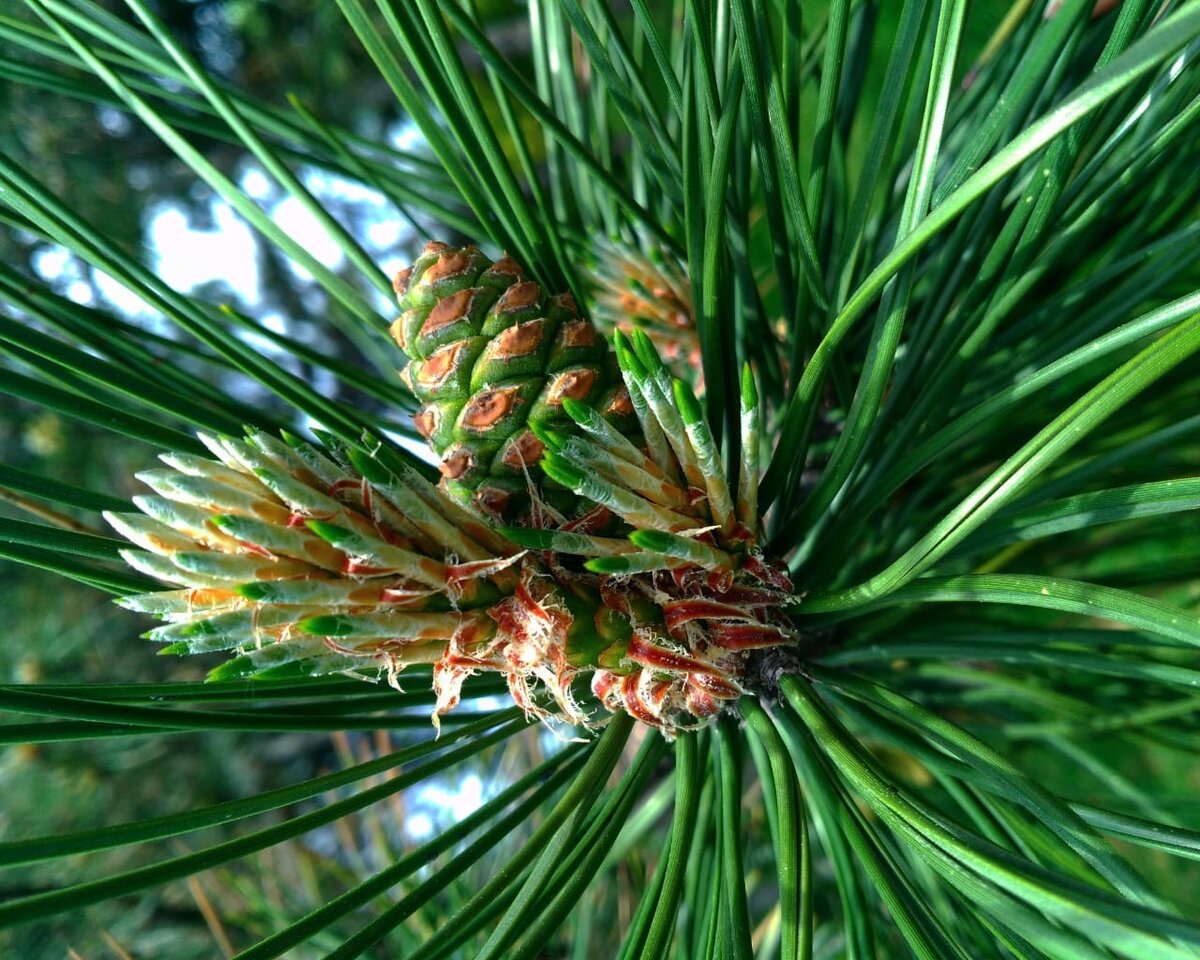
[(786, 503)]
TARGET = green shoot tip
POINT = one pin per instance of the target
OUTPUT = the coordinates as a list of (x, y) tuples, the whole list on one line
[(328, 625), (551, 439), (578, 411), (368, 466), (259, 590), (646, 352), (606, 565), (655, 541), (685, 400), (626, 359), (561, 471), (749, 388), (329, 532), (234, 669)]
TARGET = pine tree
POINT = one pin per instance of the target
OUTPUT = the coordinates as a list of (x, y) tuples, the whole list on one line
[(886, 648)]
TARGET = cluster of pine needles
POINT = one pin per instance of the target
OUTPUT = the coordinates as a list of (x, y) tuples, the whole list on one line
[(927, 684)]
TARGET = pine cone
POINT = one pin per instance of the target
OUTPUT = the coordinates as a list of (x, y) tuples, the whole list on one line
[(649, 292), (493, 358)]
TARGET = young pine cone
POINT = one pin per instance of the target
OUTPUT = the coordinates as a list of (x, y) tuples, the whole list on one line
[(492, 359), (647, 291)]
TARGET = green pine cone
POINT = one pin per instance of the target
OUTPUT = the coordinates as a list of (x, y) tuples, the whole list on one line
[(493, 357)]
